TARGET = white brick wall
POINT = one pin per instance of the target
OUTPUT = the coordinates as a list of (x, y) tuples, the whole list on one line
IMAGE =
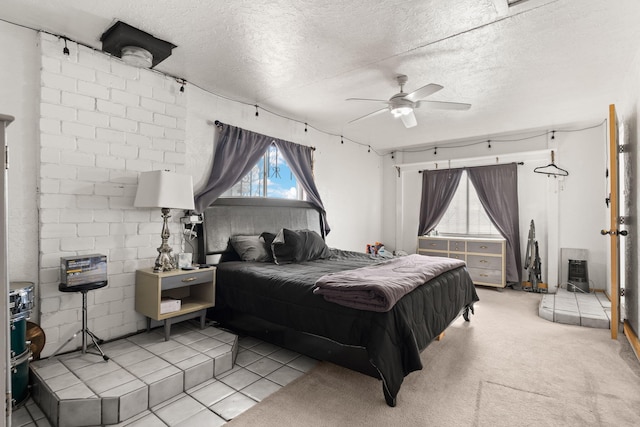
[(102, 123)]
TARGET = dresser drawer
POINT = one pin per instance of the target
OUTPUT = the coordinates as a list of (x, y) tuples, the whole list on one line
[(460, 256), (195, 278), (432, 253), (486, 262), (480, 275), (457, 246), (433, 244), (485, 247)]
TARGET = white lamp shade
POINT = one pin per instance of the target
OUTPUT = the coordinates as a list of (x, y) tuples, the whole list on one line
[(163, 189)]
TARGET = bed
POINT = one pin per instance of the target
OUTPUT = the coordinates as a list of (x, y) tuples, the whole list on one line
[(277, 303)]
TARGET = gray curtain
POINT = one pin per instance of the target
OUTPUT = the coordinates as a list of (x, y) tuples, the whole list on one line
[(438, 188), (300, 160), (238, 150), (497, 188)]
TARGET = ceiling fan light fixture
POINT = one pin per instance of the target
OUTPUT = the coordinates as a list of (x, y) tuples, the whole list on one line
[(402, 105), (137, 56), (401, 111)]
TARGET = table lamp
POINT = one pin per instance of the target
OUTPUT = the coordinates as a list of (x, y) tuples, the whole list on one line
[(165, 190)]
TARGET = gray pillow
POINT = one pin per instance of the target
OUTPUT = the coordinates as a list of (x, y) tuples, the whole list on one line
[(298, 246), (251, 248)]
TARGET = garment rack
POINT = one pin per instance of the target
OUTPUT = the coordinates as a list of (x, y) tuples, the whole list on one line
[(551, 169)]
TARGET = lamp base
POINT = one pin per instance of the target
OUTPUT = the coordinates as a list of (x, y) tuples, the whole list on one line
[(165, 260)]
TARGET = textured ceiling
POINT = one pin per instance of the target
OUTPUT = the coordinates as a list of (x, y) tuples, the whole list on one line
[(538, 64)]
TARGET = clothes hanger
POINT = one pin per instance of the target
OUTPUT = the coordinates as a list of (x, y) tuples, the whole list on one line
[(551, 169)]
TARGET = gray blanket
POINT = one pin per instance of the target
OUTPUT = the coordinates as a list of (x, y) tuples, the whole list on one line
[(380, 286)]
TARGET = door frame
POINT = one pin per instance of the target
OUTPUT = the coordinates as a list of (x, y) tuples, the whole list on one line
[(614, 219)]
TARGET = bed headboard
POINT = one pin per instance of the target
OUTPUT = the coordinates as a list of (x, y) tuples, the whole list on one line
[(251, 216)]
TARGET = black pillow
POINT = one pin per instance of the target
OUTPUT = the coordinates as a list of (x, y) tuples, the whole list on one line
[(251, 248), (298, 246), (268, 238)]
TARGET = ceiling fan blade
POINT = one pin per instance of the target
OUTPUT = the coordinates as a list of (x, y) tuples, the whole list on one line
[(370, 114), (424, 91), (366, 99), (439, 105), (409, 120)]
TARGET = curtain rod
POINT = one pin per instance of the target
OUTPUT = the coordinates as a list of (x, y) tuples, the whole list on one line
[(468, 167), (218, 124)]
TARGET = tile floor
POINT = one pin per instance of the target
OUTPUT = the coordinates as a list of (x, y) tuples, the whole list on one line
[(576, 308), (260, 369)]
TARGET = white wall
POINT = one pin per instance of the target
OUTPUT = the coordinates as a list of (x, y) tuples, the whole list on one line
[(86, 126), (568, 212), (582, 209)]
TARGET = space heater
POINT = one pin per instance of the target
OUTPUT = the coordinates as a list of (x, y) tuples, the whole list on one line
[(578, 276)]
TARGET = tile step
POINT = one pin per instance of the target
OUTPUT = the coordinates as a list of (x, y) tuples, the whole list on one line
[(569, 308), (143, 370)]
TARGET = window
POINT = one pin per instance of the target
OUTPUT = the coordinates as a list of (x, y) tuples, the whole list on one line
[(270, 177), (465, 215)]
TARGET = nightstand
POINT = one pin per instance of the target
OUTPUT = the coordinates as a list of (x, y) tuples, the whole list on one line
[(195, 289)]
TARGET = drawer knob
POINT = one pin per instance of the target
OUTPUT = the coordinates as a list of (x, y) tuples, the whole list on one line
[(433, 244), (188, 279), (483, 247), (484, 275), (484, 261)]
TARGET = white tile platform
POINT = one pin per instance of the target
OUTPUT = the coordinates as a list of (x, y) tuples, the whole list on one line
[(576, 308), (199, 377)]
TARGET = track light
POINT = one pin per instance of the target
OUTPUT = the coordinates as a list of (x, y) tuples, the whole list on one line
[(257, 114)]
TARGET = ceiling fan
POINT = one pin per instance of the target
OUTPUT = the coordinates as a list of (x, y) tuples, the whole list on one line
[(402, 104)]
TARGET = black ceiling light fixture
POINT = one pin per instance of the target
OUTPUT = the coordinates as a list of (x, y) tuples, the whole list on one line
[(134, 46)]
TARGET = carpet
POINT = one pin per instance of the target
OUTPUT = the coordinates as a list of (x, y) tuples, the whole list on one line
[(507, 367)]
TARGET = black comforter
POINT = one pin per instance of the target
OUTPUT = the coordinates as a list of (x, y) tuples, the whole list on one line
[(283, 294)]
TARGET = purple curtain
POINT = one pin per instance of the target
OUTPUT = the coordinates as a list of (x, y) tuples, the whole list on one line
[(238, 150), (438, 188), (497, 188)]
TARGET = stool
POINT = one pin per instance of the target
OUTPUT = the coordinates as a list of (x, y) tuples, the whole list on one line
[(85, 330)]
